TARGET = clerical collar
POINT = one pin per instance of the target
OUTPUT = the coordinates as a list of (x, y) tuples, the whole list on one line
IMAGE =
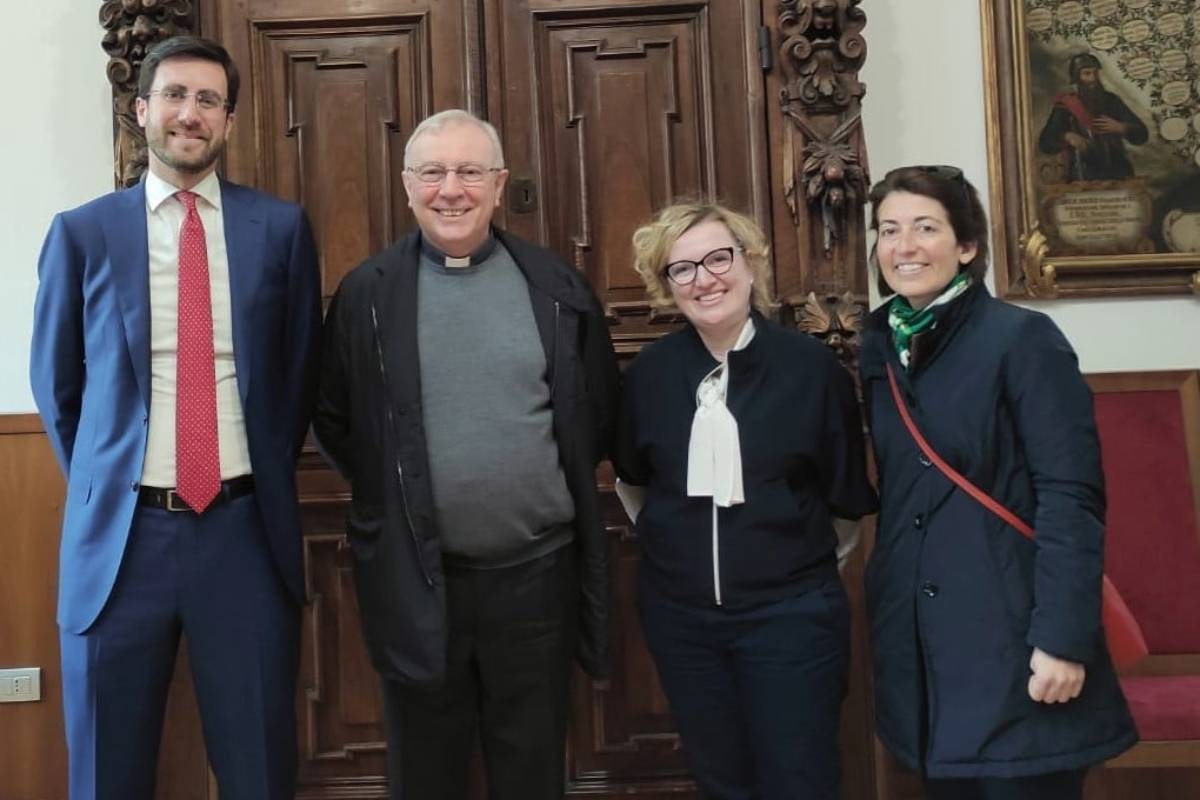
[(481, 254)]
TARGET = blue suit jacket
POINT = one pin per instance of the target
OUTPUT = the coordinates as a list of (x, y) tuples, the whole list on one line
[(90, 372)]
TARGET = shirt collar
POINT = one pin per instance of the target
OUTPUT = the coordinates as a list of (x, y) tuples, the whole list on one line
[(158, 190), (481, 254)]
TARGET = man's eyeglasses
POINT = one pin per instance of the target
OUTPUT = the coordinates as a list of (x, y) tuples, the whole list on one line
[(469, 174), (717, 262), (176, 96)]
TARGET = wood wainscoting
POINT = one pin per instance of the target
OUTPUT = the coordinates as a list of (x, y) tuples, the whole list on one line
[(622, 742), (33, 753), (33, 750)]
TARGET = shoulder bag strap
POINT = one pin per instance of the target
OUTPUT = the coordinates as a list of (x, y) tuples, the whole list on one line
[(985, 499)]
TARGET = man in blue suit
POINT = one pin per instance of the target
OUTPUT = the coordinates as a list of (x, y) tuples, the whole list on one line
[(173, 363)]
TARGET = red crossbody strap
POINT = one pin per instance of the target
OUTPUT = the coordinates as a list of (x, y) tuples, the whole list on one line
[(950, 472)]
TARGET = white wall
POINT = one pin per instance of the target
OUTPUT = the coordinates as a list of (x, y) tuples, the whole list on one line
[(924, 105), (57, 145)]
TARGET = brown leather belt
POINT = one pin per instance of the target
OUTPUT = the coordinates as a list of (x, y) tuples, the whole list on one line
[(170, 500)]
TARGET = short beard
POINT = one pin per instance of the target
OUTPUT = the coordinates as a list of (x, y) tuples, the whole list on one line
[(1091, 94), (192, 167)]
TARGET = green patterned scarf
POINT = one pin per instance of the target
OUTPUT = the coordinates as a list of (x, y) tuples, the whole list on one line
[(906, 321)]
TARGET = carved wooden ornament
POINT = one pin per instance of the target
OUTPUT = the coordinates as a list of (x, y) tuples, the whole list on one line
[(132, 27), (824, 162)]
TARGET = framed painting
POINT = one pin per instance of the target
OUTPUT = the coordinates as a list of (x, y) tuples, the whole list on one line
[(1093, 111)]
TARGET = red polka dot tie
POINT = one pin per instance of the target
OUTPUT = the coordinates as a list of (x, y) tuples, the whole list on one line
[(197, 453)]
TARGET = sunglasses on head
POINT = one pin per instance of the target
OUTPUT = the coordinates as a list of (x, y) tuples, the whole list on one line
[(943, 172)]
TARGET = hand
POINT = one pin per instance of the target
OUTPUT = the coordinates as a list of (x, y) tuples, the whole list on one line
[(1075, 140), (1054, 680), (1104, 124)]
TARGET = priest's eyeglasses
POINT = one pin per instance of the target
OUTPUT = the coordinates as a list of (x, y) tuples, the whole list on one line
[(469, 174)]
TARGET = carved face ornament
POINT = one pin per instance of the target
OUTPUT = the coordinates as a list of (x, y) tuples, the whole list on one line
[(825, 16)]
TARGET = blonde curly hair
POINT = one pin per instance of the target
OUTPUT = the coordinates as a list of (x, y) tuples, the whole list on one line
[(652, 242)]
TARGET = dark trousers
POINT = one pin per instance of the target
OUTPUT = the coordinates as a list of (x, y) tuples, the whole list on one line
[(512, 636), (756, 693), (211, 579), (1051, 786)]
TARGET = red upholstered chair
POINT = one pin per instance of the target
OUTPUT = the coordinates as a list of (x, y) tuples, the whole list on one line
[(1150, 434)]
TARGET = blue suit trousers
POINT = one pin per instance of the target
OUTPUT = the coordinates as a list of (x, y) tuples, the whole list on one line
[(211, 579)]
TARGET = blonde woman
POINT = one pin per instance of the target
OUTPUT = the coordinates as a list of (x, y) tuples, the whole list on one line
[(747, 439)]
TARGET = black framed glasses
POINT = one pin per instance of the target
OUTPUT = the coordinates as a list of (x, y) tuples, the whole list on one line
[(434, 173), (717, 262), (176, 96)]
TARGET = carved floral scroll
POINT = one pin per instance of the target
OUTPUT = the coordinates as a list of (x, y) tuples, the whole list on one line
[(825, 176), (132, 27)]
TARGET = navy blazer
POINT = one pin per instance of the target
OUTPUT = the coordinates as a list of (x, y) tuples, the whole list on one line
[(90, 372)]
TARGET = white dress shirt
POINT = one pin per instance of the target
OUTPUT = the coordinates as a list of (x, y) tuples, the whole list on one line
[(164, 218)]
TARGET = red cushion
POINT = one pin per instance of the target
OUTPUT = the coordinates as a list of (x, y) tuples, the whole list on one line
[(1152, 551), (1164, 707)]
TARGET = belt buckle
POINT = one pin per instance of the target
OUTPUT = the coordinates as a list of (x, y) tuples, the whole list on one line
[(172, 498)]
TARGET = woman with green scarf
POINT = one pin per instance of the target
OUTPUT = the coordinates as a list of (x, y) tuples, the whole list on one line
[(991, 674)]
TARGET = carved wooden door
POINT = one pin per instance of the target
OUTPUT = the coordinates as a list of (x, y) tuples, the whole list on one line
[(610, 110), (330, 91), (607, 111)]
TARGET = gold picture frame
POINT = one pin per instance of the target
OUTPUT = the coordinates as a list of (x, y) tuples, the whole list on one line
[(1066, 222)]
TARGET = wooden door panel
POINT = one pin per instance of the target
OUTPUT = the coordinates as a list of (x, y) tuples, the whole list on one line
[(623, 741), (610, 112), (335, 108), (619, 109), (341, 738), (331, 91)]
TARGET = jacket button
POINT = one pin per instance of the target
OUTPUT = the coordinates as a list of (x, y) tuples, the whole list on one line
[(919, 521), (929, 589), (134, 486), (924, 462)]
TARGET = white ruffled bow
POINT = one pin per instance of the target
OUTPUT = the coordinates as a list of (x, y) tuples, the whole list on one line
[(714, 450)]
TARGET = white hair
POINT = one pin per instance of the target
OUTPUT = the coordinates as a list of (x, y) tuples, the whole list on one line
[(450, 117)]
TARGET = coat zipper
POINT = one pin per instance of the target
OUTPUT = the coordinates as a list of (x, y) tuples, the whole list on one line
[(716, 557), (412, 529), (554, 353)]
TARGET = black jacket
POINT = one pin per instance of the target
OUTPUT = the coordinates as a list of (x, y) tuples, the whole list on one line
[(956, 598), (369, 424), (803, 462)]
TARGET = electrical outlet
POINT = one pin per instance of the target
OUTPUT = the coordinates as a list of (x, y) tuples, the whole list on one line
[(20, 685)]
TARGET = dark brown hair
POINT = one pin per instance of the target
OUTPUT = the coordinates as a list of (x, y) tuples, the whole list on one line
[(190, 47)]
